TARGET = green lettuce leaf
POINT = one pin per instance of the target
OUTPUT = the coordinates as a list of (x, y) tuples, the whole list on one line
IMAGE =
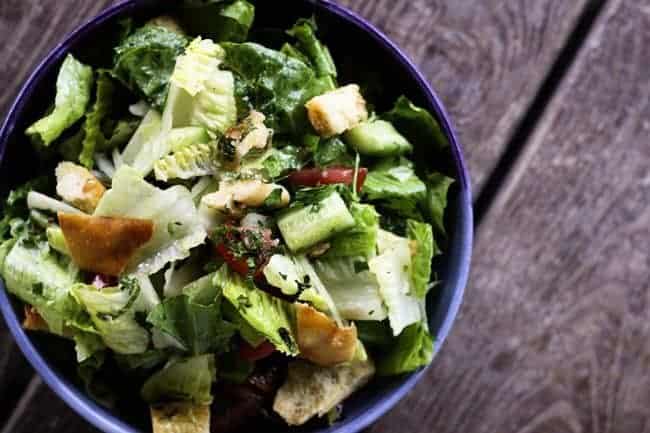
[(353, 288), (278, 162), (94, 139), (412, 349), (394, 185), (360, 240), (425, 248), (188, 379), (266, 314), (217, 19), (332, 151), (38, 277), (73, 87), (177, 225), (246, 331), (146, 146), (418, 126), (191, 161), (198, 328), (275, 84), (374, 334), (392, 269), (318, 54), (112, 313), (436, 202), (145, 60), (204, 291)]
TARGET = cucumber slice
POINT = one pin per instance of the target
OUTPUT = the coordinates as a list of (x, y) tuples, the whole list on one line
[(305, 227), (377, 138)]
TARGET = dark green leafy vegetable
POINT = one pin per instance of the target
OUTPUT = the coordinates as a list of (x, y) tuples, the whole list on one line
[(274, 83), (436, 202), (394, 185), (281, 161), (218, 20), (318, 54), (412, 349), (145, 60), (198, 328), (332, 152), (375, 334), (15, 206), (360, 240), (94, 139), (73, 86), (188, 379), (418, 126), (425, 249)]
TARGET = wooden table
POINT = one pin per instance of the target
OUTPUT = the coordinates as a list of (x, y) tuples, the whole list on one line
[(551, 99)]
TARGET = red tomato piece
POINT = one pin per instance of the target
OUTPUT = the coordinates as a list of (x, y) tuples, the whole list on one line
[(249, 353), (238, 265), (327, 176)]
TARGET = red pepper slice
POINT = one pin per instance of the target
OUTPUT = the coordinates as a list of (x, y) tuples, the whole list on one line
[(327, 176), (249, 353)]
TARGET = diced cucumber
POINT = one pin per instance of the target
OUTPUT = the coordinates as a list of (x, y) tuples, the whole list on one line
[(307, 226), (377, 138)]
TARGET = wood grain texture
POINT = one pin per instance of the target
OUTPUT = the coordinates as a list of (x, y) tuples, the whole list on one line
[(554, 331), (485, 59)]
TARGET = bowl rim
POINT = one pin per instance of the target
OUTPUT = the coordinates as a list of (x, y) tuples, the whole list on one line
[(463, 236)]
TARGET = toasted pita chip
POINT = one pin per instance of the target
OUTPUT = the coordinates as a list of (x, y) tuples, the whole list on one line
[(180, 418), (104, 245), (320, 340), (33, 321)]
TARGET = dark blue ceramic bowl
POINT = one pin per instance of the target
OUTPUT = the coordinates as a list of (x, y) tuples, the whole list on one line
[(364, 55)]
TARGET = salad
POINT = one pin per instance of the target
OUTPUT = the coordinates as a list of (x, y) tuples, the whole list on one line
[(225, 226)]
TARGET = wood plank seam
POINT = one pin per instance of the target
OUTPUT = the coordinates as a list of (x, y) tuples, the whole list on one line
[(520, 137)]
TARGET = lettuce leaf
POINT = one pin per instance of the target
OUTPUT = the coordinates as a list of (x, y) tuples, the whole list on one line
[(411, 350), (196, 160), (146, 146), (332, 151), (73, 87), (418, 126), (187, 379), (198, 328), (436, 202), (266, 314), (177, 226), (394, 185), (112, 313), (94, 139), (38, 277), (201, 94), (275, 84), (355, 291), (392, 270), (425, 248), (360, 240), (145, 60), (218, 20), (318, 54)]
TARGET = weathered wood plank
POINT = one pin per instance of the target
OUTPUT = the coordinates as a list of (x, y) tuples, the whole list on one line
[(485, 59), (554, 330)]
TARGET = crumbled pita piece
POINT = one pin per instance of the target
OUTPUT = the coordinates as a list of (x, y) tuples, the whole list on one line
[(33, 321), (180, 418), (78, 186), (320, 339), (104, 245), (336, 111), (311, 390)]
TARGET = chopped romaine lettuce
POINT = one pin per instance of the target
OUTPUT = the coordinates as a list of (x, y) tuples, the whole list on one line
[(187, 379), (203, 291), (73, 87), (246, 331), (355, 291), (394, 185), (276, 84), (218, 20), (361, 239), (266, 314), (436, 202), (177, 227), (412, 350), (112, 313), (94, 139), (332, 152), (424, 249), (318, 54), (146, 146), (145, 60), (392, 270), (198, 328), (191, 161)]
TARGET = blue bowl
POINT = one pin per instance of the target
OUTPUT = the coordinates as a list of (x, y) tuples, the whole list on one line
[(365, 55)]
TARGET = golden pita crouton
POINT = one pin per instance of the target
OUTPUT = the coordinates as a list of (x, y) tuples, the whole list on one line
[(33, 321), (180, 418), (101, 244), (320, 340)]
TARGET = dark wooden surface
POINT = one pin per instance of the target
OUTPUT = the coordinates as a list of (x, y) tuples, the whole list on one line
[(552, 336)]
